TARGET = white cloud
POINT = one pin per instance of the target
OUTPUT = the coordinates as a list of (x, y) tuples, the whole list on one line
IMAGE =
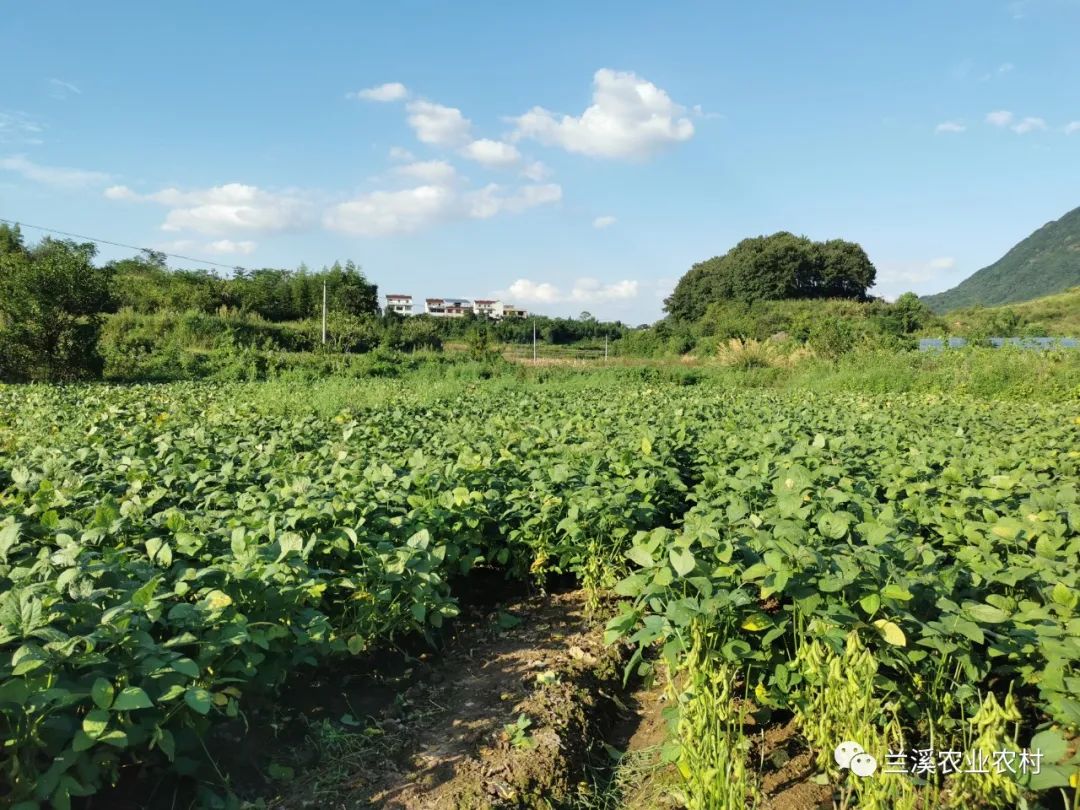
[(699, 112), (604, 222), (400, 153), (491, 200), (383, 213), (120, 193), (588, 290), (438, 172), (999, 118), (1071, 127), (1029, 124), (224, 209), (438, 125), (529, 292), (59, 176), (18, 127), (950, 126), (896, 277), (584, 291), (536, 171), (59, 89), (220, 247), (494, 154), (227, 246), (391, 91), (629, 118)]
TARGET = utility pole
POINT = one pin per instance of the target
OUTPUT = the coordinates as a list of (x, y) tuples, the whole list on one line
[(605, 348), (324, 312), (534, 340)]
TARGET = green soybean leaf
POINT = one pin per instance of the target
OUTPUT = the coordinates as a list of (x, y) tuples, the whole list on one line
[(198, 699), (131, 698), (102, 693), (682, 561), (95, 722), (898, 592), (641, 556)]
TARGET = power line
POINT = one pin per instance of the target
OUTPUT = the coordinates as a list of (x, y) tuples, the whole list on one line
[(122, 245)]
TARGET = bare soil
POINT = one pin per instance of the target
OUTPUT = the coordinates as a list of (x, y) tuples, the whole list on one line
[(508, 718)]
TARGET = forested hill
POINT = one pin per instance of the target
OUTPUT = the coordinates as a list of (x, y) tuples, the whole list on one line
[(1045, 263)]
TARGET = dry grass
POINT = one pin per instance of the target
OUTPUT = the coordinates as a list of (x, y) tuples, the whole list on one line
[(737, 353)]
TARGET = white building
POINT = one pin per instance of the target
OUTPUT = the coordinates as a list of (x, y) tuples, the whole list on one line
[(455, 307), (401, 304), (447, 307), (488, 308)]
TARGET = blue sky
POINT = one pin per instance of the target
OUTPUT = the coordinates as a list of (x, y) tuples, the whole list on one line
[(564, 156)]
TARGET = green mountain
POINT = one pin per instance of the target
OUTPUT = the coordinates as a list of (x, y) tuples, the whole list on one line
[(1045, 263)]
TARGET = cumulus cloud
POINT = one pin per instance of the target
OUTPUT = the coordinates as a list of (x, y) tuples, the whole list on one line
[(536, 171), (228, 246), (494, 154), (59, 176), (391, 91), (430, 171), (493, 199), (224, 209), (603, 222), (219, 247), (438, 125), (629, 118), (380, 213), (949, 126), (400, 153), (584, 291), (1029, 124), (1071, 127), (1004, 118), (384, 213)]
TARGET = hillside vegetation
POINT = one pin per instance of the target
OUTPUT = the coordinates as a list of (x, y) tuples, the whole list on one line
[(1045, 263), (1052, 315)]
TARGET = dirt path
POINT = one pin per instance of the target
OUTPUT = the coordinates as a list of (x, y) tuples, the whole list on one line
[(506, 719)]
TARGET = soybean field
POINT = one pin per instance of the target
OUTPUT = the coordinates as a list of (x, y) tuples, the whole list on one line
[(899, 571)]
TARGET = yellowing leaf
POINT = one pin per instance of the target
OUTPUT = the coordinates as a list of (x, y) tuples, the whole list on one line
[(757, 622), (218, 600), (891, 632)]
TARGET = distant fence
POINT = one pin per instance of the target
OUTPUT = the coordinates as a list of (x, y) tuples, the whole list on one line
[(1036, 343)]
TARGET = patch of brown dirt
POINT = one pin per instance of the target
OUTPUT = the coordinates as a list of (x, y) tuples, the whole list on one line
[(785, 779), (456, 746)]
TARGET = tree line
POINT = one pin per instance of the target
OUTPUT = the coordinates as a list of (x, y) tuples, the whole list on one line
[(55, 300)]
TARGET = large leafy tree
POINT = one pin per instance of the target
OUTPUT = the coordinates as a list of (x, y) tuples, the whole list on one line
[(51, 298), (773, 268)]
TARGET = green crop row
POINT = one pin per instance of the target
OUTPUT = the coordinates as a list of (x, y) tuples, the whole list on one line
[(164, 554), (169, 552), (927, 553)]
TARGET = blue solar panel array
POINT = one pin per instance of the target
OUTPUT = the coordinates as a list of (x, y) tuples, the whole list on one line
[(1040, 343)]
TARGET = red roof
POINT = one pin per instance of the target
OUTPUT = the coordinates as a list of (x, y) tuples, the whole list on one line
[(484, 301), (399, 296)]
